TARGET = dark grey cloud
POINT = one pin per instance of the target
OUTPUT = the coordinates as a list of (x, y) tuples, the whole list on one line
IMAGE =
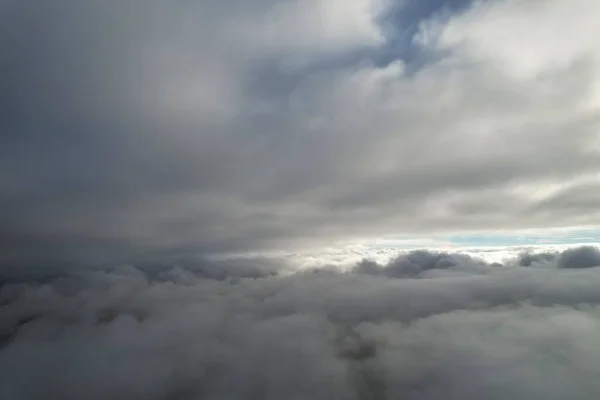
[(138, 128), (418, 262), (425, 326), (585, 257)]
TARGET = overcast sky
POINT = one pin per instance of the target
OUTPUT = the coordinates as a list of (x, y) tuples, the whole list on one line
[(246, 125), (221, 199)]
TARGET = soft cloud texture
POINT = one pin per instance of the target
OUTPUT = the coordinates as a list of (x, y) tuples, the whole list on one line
[(168, 136), (221, 126), (425, 326)]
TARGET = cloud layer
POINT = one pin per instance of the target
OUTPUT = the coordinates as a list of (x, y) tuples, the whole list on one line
[(235, 125), (163, 132), (425, 326)]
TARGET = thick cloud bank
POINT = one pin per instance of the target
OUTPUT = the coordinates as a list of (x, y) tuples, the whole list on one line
[(425, 326), (256, 125)]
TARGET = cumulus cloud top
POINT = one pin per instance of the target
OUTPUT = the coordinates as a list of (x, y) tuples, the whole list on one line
[(424, 326)]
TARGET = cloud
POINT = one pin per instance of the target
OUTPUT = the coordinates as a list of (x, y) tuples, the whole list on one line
[(418, 262), (415, 330), (584, 257), (141, 138), (321, 26), (231, 126), (501, 32)]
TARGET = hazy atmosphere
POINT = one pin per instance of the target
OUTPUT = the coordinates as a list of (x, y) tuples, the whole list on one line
[(299, 199)]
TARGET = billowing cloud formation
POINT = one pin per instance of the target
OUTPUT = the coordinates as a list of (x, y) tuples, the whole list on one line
[(160, 132), (235, 125), (425, 326)]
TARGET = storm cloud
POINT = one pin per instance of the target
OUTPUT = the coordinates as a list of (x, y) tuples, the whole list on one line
[(426, 326), (244, 125)]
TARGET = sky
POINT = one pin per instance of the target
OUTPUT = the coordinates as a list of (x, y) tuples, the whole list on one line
[(139, 127), (299, 199)]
